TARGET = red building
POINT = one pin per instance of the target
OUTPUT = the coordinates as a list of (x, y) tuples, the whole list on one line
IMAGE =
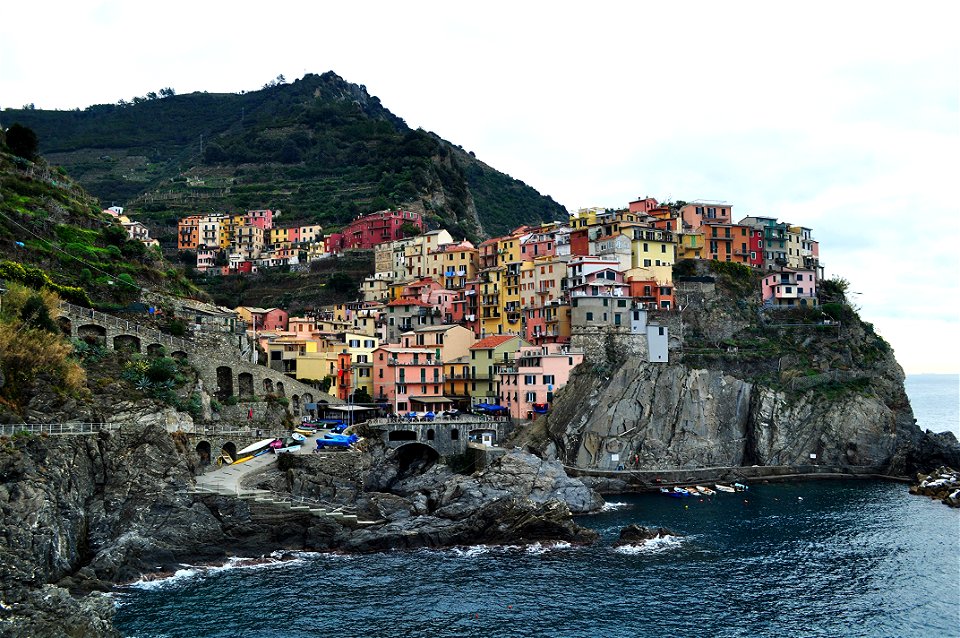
[(370, 230)]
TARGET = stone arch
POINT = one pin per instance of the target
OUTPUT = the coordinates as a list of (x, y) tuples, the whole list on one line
[(127, 343), (179, 354), (65, 325), (92, 333), (224, 382), (267, 385), (203, 451), (431, 435), (402, 435), (306, 398), (245, 384), (156, 350), (454, 434), (416, 455), (230, 448), (295, 405), (280, 390)]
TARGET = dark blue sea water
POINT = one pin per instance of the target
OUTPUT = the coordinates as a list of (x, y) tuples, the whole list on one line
[(819, 558), (935, 399)]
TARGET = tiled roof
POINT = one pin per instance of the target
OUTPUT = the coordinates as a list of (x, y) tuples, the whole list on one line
[(492, 342)]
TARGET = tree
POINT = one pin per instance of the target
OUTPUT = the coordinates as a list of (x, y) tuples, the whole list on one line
[(341, 282), (409, 229), (167, 92), (22, 142)]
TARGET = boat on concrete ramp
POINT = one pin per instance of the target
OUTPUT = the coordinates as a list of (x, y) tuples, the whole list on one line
[(253, 448)]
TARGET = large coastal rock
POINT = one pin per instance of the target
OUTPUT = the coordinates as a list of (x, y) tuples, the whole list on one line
[(519, 499)]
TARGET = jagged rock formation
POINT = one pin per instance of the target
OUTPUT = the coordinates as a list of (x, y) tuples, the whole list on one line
[(82, 513), (638, 534), (743, 388)]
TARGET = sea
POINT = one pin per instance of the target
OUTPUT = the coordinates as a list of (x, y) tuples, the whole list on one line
[(816, 558)]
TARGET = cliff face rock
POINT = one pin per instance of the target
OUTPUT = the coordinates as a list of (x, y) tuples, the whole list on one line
[(655, 416)]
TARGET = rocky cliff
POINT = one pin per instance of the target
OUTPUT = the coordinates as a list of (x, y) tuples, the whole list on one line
[(744, 386)]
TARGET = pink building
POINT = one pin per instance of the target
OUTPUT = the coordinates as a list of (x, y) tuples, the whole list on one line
[(538, 245), (367, 231), (698, 213), (272, 319), (790, 288), (527, 388), (644, 205), (260, 218), (409, 379)]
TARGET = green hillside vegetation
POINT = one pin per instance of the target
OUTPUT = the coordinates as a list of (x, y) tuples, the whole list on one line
[(55, 237), (319, 149)]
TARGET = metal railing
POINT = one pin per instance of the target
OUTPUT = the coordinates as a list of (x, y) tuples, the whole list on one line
[(10, 429)]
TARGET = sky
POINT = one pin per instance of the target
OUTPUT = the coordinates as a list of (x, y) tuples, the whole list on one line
[(839, 116)]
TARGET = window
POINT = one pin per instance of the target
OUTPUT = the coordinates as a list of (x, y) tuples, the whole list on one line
[(799, 277), (548, 379), (646, 263), (621, 303), (589, 316), (531, 397), (529, 379)]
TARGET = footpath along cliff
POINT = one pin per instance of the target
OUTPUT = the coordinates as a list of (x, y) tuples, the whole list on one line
[(812, 388)]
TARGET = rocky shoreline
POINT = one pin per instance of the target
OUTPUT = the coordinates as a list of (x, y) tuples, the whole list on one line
[(943, 484), (87, 514)]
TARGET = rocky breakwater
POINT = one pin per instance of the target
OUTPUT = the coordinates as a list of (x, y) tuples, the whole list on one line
[(943, 484), (633, 535)]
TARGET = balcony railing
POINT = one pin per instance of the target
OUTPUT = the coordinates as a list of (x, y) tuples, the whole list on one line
[(428, 362)]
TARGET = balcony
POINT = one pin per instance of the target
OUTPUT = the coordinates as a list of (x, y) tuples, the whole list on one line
[(427, 362), (513, 317)]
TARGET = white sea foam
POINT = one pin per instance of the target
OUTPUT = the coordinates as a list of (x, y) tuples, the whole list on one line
[(613, 506), (539, 548), (173, 580), (471, 551), (653, 546), (188, 572)]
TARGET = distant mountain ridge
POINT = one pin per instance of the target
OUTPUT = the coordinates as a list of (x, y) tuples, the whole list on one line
[(320, 149)]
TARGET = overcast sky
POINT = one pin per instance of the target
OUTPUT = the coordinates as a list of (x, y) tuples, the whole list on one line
[(840, 116)]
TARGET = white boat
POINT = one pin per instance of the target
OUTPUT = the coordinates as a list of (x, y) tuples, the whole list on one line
[(255, 447), (286, 450), (705, 490), (724, 488)]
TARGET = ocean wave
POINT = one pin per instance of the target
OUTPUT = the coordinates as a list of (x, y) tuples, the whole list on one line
[(613, 506), (652, 546), (471, 550), (189, 572), (539, 548)]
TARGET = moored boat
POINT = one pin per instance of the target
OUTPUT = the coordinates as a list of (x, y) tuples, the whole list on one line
[(298, 437), (287, 450), (243, 459), (255, 447), (724, 488), (706, 491), (740, 487)]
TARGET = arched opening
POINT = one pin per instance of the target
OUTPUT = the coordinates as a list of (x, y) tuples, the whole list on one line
[(268, 386), (402, 435), (280, 390), (156, 350), (307, 398), (230, 448), (203, 451), (245, 384), (224, 383), (126, 343), (454, 434), (295, 405), (415, 458), (180, 355), (93, 334), (431, 435)]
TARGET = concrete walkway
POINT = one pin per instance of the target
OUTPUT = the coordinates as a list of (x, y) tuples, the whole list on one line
[(229, 478)]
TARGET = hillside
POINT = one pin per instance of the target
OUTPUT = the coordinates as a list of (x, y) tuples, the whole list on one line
[(319, 149), (54, 235)]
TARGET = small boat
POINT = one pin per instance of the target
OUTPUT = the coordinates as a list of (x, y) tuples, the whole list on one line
[(304, 431), (243, 459), (276, 443), (740, 487), (255, 447), (298, 437), (724, 488), (680, 492), (224, 459), (706, 491), (287, 450)]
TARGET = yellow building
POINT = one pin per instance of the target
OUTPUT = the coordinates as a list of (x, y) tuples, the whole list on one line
[(490, 304), (487, 357), (651, 247), (690, 245)]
